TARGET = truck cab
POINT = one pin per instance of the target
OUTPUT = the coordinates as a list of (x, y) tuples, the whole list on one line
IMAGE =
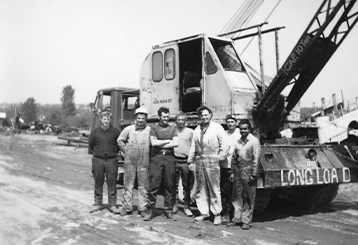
[(199, 70), (121, 101)]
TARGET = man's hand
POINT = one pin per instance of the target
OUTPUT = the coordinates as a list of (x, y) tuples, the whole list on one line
[(191, 166), (253, 177), (231, 177), (121, 155)]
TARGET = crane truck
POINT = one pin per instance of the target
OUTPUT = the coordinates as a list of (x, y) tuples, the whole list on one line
[(186, 73)]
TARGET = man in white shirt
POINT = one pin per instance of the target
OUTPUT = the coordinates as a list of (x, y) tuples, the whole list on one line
[(232, 136), (208, 148), (181, 152)]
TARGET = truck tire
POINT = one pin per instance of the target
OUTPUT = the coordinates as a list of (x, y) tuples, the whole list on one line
[(303, 197), (314, 197), (262, 200), (325, 195)]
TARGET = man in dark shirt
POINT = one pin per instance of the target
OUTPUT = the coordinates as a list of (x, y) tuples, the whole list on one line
[(103, 146), (163, 138)]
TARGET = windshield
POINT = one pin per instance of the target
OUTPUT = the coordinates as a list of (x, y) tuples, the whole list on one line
[(227, 56)]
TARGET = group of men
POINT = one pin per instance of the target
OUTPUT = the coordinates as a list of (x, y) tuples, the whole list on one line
[(218, 168)]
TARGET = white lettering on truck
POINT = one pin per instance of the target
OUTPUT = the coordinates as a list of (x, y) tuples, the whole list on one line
[(311, 176)]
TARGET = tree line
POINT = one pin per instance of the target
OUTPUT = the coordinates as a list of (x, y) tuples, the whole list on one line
[(63, 114), (66, 114)]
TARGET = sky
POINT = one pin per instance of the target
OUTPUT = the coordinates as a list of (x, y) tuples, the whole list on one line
[(46, 45)]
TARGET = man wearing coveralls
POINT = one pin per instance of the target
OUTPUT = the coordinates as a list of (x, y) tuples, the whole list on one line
[(134, 142), (208, 148), (244, 174)]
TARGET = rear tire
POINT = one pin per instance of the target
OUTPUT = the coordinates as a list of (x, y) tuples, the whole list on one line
[(326, 195), (303, 196), (313, 197), (262, 200)]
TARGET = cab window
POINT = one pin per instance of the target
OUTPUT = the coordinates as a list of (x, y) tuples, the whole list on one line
[(106, 102), (228, 58), (157, 66), (169, 57), (130, 103), (210, 67)]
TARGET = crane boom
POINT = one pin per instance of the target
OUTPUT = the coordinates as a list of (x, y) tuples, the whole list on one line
[(311, 53)]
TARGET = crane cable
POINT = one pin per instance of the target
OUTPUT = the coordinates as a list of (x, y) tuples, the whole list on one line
[(264, 21), (249, 17), (242, 15)]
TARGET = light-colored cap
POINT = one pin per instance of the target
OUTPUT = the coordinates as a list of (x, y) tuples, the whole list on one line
[(141, 110)]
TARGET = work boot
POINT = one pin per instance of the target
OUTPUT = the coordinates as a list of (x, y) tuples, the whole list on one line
[(142, 213), (245, 227), (114, 209), (175, 209), (236, 220), (170, 215), (148, 215), (232, 224), (95, 208), (217, 220), (225, 219), (123, 212), (188, 212), (201, 217)]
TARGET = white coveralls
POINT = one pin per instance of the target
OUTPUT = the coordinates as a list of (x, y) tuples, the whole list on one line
[(207, 149), (135, 144)]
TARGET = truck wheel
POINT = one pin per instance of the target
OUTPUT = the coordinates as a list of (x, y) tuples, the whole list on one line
[(303, 196), (325, 195), (262, 200)]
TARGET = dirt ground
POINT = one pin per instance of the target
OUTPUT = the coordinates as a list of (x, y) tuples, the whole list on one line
[(46, 191)]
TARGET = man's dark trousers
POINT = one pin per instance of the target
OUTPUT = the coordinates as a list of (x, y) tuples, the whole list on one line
[(226, 191), (182, 170), (162, 174), (102, 168)]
